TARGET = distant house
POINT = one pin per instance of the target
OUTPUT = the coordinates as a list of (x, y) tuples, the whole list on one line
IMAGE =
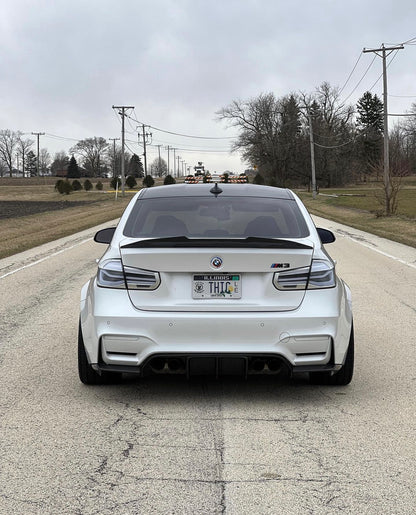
[(62, 172)]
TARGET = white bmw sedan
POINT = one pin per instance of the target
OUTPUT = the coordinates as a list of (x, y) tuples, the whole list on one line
[(228, 279)]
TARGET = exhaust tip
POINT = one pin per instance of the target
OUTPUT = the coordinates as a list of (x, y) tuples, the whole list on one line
[(258, 365), (274, 365), (157, 364), (175, 364)]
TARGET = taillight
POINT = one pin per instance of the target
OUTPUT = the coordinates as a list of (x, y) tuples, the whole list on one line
[(320, 275), (112, 274), (138, 279)]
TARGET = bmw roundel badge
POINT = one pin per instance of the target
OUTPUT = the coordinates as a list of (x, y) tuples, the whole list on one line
[(216, 262)]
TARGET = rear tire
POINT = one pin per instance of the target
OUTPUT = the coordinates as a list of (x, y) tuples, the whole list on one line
[(86, 373), (344, 375)]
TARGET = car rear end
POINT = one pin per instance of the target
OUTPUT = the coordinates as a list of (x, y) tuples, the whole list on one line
[(232, 282)]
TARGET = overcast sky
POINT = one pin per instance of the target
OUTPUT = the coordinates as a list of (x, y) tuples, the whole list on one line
[(65, 63)]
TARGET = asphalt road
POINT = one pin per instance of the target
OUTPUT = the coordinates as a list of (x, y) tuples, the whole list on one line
[(235, 447)]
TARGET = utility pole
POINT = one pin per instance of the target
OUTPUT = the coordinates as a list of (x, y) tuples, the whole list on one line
[(174, 162), (168, 148), (158, 148), (387, 182), (37, 134), (312, 156), (178, 157), (114, 154), (145, 136), (122, 114)]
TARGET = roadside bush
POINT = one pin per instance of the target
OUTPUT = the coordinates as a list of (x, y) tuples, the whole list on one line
[(115, 183), (131, 182), (87, 185), (148, 181), (258, 179), (64, 187), (99, 186), (58, 184), (207, 178), (225, 177), (76, 185), (169, 180)]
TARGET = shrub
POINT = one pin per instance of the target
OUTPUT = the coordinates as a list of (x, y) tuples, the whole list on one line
[(76, 185), (169, 180), (131, 182), (115, 183), (99, 186), (148, 181), (64, 187), (258, 179), (87, 185), (207, 178), (225, 177), (58, 184)]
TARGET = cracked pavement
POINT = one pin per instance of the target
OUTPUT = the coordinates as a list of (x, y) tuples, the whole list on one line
[(166, 445)]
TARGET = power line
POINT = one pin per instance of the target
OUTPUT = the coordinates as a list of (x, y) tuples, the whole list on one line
[(352, 71), (335, 146), (360, 81), (403, 96), (183, 135), (381, 75)]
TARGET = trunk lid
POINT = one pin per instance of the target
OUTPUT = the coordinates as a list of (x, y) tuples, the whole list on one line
[(185, 266)]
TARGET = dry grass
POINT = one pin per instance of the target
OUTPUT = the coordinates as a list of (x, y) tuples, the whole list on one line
[(24, 232), (21, 233), (362, 212)]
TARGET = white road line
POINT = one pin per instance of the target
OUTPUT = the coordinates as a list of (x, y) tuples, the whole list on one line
[(371, 247), (44, 258)]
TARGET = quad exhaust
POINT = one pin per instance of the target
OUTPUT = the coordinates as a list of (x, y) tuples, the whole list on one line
[(213, 365)]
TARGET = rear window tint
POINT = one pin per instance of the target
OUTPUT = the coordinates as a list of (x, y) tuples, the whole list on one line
[(216, 217)]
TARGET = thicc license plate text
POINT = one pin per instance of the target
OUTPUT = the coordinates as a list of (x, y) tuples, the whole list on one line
[(221, 286)]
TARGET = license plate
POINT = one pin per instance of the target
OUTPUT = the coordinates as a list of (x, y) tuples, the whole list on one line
[(216, 286)]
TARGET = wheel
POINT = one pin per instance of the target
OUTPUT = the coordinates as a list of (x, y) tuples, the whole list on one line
[(344, 375), (86, 373)]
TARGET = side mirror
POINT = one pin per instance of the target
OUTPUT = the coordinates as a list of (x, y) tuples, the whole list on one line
[(325, 235), (105, 235)]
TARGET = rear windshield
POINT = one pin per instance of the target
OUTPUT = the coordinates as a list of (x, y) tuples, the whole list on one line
[(216, 217)]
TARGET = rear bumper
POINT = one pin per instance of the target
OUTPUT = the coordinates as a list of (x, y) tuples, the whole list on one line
[(119, 337), (214, 365)]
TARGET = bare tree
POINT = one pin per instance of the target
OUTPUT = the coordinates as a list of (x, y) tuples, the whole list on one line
[(60, 162), (93, 152), (24, 145), (269, 132), (113, 158), (44, 161), (8, 144), (334, 134), (158, 167)]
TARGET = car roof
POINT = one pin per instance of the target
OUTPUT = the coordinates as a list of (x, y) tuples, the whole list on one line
[(203, 190)]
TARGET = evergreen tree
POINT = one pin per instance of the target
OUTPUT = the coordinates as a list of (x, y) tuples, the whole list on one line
[(135, 167), (30, 164), (131, 182), (370, 130), (73, 169), (148, 181), (169, 180)]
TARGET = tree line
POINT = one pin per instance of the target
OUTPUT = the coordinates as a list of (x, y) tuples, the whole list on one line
[(275, 137), (90, 157)]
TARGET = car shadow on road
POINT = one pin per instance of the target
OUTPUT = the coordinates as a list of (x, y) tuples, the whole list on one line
[(178, 390)]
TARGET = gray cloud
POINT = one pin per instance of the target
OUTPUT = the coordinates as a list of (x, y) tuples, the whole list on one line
[(65, 63)]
